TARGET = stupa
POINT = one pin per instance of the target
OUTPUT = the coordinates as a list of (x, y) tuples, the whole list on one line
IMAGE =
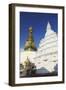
[(29, 48), (46, 58), (29, 51)]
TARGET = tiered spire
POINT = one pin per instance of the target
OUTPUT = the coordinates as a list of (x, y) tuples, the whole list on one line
[(29, 45)]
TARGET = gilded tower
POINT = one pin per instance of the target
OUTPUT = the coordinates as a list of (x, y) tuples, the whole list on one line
[(29, 45)]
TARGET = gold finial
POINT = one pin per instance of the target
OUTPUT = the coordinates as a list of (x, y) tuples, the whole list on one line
[(30, 29)]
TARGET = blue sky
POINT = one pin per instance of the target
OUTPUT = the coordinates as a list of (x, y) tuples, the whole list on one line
[(38, 21)]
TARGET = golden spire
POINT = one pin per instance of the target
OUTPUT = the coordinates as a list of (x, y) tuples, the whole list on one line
[(27, 61), (29, 45), (30, 29)]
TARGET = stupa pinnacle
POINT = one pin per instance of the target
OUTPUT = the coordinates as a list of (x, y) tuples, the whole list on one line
[(48, 26), (29, 45)]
